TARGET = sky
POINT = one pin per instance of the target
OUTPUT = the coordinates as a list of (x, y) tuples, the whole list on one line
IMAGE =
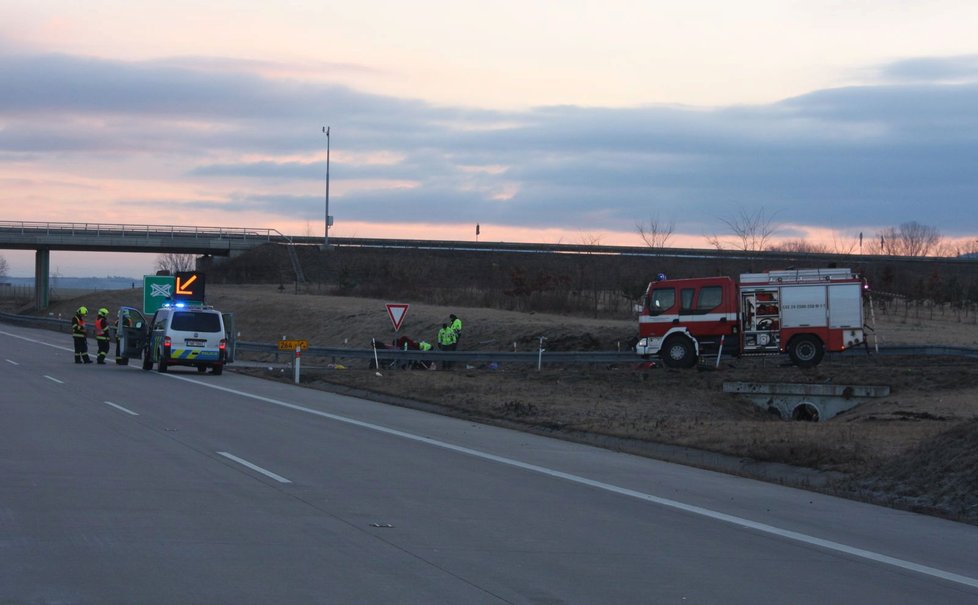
[(540, 121)]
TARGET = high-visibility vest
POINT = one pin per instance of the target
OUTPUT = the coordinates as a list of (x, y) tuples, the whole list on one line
[(456, 326), (101, 328), (78, 326), (446, 336)]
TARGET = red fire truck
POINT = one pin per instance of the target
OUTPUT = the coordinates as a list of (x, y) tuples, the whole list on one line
[(802, 312)]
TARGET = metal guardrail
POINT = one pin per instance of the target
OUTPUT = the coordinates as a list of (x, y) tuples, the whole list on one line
[(48, 323), (137, 230), (913, 351), (532, 357), (397, 355)]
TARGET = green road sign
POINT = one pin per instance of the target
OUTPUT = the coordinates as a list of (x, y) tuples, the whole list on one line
[(157, 289)]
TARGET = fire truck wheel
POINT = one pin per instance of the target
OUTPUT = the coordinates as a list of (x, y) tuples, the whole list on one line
[(805, 350), (678, 352)]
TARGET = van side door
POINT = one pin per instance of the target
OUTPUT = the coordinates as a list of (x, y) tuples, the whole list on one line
[(230, 336), (131, 330)]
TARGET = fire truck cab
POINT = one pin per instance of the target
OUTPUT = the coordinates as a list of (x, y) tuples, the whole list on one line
[(803, 313)]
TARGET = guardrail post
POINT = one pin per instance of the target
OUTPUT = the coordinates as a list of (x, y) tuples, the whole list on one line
[(295, 372), (540, 353)]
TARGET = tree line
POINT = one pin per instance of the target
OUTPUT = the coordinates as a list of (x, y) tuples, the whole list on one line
[(755, 231)]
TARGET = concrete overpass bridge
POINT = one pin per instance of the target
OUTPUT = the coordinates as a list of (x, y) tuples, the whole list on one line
[(101, 237)]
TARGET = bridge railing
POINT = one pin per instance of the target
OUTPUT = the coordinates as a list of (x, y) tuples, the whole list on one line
[(139, 231)]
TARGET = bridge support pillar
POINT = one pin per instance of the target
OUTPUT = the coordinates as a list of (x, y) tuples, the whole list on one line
[(42, 266)]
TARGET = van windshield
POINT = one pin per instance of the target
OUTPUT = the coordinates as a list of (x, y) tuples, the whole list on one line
[(188, 321)]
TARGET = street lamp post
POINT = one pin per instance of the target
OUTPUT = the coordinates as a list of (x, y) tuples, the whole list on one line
[(326, 236)]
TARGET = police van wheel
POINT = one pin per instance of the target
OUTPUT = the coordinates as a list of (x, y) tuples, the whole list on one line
[(147, 361), (806, 351), (161, 368), (678, 352)]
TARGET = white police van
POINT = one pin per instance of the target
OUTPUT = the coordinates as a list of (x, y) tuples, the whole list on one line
[(178, 334)]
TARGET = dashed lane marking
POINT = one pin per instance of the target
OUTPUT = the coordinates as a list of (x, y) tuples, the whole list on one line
[(674, 504)]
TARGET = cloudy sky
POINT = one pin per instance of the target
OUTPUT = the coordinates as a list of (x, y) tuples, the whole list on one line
[(551, 121)]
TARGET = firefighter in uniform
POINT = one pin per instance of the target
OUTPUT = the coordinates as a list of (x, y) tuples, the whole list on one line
[(79, 336), (102, 334)]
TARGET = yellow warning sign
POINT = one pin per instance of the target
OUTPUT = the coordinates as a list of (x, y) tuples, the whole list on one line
[(292, 345)]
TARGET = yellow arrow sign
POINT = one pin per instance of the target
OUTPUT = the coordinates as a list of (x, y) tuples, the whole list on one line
[(182, 286)]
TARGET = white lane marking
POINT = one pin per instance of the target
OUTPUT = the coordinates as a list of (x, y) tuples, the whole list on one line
[(119, 407), (40, 342), (12, 362), (53, 379), (255, 467), (689, 508)]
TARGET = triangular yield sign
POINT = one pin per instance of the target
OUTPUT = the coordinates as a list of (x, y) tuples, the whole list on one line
[(397, 311)]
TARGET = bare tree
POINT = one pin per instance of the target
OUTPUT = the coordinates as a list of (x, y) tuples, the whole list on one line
[(173, 262), (590, 239), (968, 249), (4, 267), (846, 243), (655, 233), (715, 242), (751, 230), (909, 239)]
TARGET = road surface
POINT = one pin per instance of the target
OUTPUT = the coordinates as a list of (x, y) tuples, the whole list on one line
[(119, 485)]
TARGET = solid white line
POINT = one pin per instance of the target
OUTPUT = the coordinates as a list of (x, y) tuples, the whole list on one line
[(52, 378), (255, 467), (11, 361), (696, 510), (119, 407), (40, 342)]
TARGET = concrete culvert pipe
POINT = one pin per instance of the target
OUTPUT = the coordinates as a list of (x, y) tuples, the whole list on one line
[(805, 412)]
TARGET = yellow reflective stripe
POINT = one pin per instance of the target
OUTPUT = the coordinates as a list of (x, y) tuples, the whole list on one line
[(193, 354)]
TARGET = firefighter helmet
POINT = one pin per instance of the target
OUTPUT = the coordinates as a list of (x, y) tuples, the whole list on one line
[(103, 312), (83, 310)]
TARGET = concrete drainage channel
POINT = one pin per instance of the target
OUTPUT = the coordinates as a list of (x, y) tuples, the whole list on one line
[(806, 402)]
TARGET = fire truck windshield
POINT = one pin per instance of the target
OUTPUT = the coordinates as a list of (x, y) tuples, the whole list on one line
[(661, 300)]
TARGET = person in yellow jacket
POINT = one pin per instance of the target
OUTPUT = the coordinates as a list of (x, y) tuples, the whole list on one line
[(79, 336), (446, 342), (102, 334), (456, 326)]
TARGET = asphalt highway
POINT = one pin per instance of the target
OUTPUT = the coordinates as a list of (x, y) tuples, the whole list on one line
[(119, 485)]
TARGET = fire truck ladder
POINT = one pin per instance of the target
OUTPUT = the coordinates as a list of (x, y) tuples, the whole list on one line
[(797, 276)]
